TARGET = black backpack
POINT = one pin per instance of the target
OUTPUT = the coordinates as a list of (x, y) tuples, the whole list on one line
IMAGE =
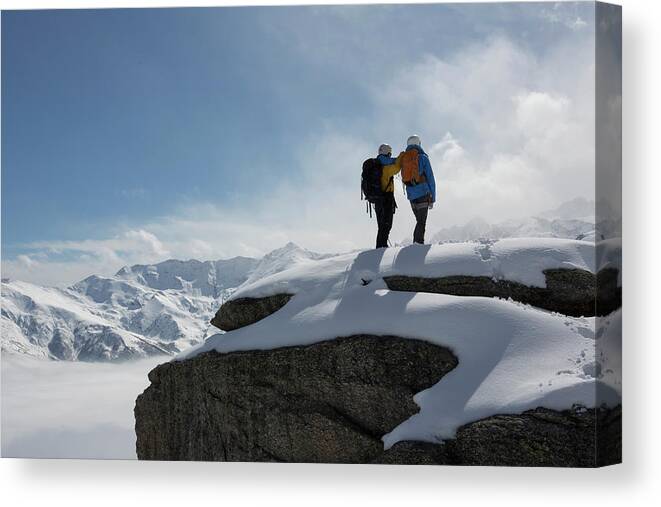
[(370, 181)]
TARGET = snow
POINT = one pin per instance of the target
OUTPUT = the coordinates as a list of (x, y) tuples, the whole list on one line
[(609, 350), (51, 297), (141, 311), (521, 260), (512, 357), (197, 278), (281, 259), (524, 260), (50, 322)]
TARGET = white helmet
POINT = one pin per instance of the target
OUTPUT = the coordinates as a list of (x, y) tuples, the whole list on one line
[(385, 149), (413, 140)]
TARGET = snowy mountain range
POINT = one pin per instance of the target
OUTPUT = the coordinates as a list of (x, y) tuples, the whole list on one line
[(573, 219), (142, 310)]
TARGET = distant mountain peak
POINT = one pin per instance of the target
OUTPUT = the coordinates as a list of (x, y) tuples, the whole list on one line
[(576, 208), (206, 278), (573, 219), (289, 247), (281, 259)]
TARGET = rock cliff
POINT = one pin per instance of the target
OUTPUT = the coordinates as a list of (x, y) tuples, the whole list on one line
[(328, 402), (332, 401)]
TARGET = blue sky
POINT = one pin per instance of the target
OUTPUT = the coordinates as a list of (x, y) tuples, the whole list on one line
[(142, 134)]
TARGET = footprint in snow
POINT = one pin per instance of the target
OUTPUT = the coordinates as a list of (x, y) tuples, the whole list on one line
[(485, 249), (585, 332)]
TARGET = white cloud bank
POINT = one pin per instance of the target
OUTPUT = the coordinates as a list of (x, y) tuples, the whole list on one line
[(509, 133), (64, 409)]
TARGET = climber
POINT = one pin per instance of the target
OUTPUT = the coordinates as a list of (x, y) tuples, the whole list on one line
[(385, 207), (418, 179)]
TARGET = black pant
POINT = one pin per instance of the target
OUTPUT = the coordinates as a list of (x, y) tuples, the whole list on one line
[(385, 209), (420, 210)]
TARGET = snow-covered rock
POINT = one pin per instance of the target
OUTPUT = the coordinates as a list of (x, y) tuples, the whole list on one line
[(512, 358), (521, 260), (245, 311)]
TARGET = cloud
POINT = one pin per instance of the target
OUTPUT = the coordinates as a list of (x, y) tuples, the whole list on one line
[(64, 262), (26, 261), (509, 133), (64, 409), (130, 244), (566, 14)]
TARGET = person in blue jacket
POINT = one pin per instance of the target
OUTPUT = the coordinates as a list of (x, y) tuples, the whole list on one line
[(421, 194)]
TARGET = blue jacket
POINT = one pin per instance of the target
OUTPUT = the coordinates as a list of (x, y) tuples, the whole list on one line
[(386, 160), (424, 167)]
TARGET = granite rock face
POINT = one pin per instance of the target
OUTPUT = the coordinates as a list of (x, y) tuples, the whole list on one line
[(609, 292), (331, 402), (241, 312), (539, 437), (328, 402), (568, 291)]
